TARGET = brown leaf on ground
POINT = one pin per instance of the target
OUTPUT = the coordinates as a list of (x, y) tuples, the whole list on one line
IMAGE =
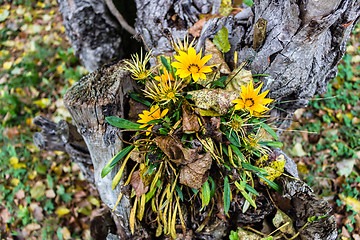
[(190, 121), (175, 151), (193, 174), (195, 30), (212, 127), (136, 156), (137, 184)]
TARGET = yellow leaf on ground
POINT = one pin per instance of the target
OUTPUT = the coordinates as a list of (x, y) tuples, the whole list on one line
[(7, 65), (13, 160), (352, 202), (14, 182), (61, 211), (42, 103), (66, 233)]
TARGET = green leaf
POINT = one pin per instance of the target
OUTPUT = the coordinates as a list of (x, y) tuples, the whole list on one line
[(271, 183), (166, 64), (248, 2), (221, 40), (272, 144), (227, 195), (251, 189), (139, 99), (253, 168), (205, 194), (237, 152), (213, 187), (219, 82), (179, 192), (110, 165), (233, 235), (122, 123), (269, 130), (232, 138), (241, 187)]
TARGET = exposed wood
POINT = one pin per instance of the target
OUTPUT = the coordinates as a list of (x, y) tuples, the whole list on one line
[(63, 136), (96, 96), (304, 42), (94, 33)]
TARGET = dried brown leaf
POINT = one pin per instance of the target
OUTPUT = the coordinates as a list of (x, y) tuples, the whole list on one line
[(193, 174), (190, 121), (175, 151), (137, 184)]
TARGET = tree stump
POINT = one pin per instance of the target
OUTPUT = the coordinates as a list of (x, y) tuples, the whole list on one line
[(304, 41)]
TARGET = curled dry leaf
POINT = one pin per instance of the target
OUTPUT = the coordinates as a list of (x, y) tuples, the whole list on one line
[(212, 128), (280, 219), (137, 183), (214, 99), (136, 156), (192, 174), (239, 76), (195, 30), (190, 123), (175, 151)]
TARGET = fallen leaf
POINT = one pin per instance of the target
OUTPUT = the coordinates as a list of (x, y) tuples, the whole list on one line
[(215, 99), (352, 202), (345, 167), (50, 193), (298, 151), (32, 227), (239, 76), (66, 233), (62, 210), (192, 174), (38, 190), (190, 121), (137, 184), (195, 29), (280, 219), (175, 151)]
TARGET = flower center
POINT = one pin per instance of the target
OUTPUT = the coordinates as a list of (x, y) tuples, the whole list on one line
[(193, 68), (249, 102)]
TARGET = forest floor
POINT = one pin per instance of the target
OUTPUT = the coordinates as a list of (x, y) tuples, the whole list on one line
[(44, 196)]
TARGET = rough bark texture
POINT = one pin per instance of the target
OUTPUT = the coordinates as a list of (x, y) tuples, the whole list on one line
[(64, 137), (304, 42), (96, 96), (94, 33)]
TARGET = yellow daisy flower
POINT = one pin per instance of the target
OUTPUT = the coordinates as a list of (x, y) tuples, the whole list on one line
[(165, 77), (138, 66), (250, 100), (179, 46), (148, 116), (190, 63)]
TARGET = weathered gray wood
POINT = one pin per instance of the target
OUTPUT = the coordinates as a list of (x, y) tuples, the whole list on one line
[(304, 42), (96, 96), (94, 33), (63, 136)]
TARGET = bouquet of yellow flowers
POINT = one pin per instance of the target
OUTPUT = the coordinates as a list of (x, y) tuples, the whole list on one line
[(200, 137)]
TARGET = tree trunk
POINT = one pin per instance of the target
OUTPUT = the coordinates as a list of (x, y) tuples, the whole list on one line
[(303, 44)]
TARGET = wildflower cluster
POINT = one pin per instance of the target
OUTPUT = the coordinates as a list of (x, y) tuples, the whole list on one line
[(198, 141)]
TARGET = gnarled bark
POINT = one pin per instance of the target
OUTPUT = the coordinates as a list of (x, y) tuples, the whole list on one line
[(304, 43)]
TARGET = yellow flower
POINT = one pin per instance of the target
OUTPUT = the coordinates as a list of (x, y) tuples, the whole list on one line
[(165, 77), (191, 64), (138, 66), (165, 90), (148, 116), (178, 47), (250, 100)]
